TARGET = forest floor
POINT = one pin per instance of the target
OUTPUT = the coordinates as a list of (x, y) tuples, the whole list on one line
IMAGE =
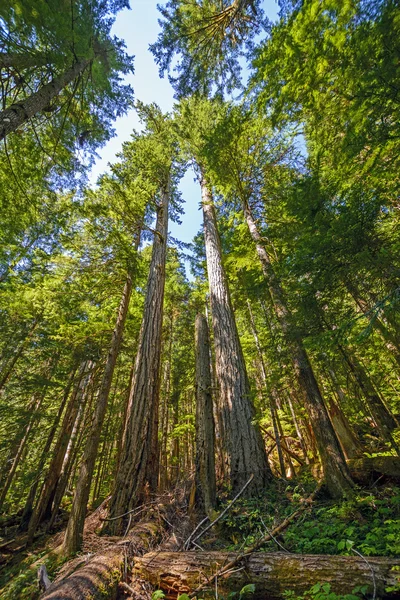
[(367, 525)]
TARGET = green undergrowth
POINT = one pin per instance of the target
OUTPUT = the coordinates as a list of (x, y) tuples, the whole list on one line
[(20, 581), (368, 522)]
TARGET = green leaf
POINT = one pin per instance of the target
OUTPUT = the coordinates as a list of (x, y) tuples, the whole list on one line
[(247, 589)]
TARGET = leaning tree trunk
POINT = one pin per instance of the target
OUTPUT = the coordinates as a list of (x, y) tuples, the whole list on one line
[(139, 460), (34, 408), (60, 449), (336, 473), (272, 573), (205, 459), (74, 534), (28, 508), (19, 113), (245, 446)]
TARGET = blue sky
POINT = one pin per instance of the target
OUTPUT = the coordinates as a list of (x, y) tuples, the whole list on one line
[(139, 28)]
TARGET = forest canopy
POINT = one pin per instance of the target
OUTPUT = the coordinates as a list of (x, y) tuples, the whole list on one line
[(256, 394)]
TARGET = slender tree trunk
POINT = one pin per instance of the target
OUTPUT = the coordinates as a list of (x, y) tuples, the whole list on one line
[(205, 459), (383, 418), (60, 449), (271, 393), (336, 473), (138, 464), (35, 407), (297, 427), (74, 534), (245, 445), (388, 336), (19, 113), (27, 513), (166, 388), (8, 368)]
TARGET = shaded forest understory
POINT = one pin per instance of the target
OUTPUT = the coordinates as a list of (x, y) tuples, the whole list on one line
[(235, 434)]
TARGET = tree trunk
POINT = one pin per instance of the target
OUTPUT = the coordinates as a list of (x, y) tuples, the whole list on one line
[(245, 446), (20, 112), (60, 449), (205, 459), (74, 534), (139, 464), (383, 418), (99, 577), (272, 573), (334, 466), (271, 393), (27, 513), (35, 407), (8, 368), (388, 336)]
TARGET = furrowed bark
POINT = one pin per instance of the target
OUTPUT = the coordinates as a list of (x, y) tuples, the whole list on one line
[(245, 446), (19, 113), (272, 573), (139, 460), (74, 533), (205, 460), (336, 473)]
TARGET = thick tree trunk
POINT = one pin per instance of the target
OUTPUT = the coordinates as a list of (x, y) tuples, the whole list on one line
[(60, 449), (205, 459), (272, 573), (245, 446), (19, 113), (139, 461), (99, 577), (334, 466), (74, 534)]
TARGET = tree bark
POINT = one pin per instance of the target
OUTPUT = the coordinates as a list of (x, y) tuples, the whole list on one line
[(334, 466), (99, 577), (74, 534), (205, 459), (245, 446), (139, 461), (19, 113), (272, 573)]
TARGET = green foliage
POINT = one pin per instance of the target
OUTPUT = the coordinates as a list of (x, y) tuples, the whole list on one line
[(322, 591), (368, 522)]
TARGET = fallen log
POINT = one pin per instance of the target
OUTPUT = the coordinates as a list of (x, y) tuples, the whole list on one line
[(368, 470), (272, 573), (98, 578)]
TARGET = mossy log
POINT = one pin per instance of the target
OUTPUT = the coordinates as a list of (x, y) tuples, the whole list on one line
[(368, 470), (272, 573), (98, 578)]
